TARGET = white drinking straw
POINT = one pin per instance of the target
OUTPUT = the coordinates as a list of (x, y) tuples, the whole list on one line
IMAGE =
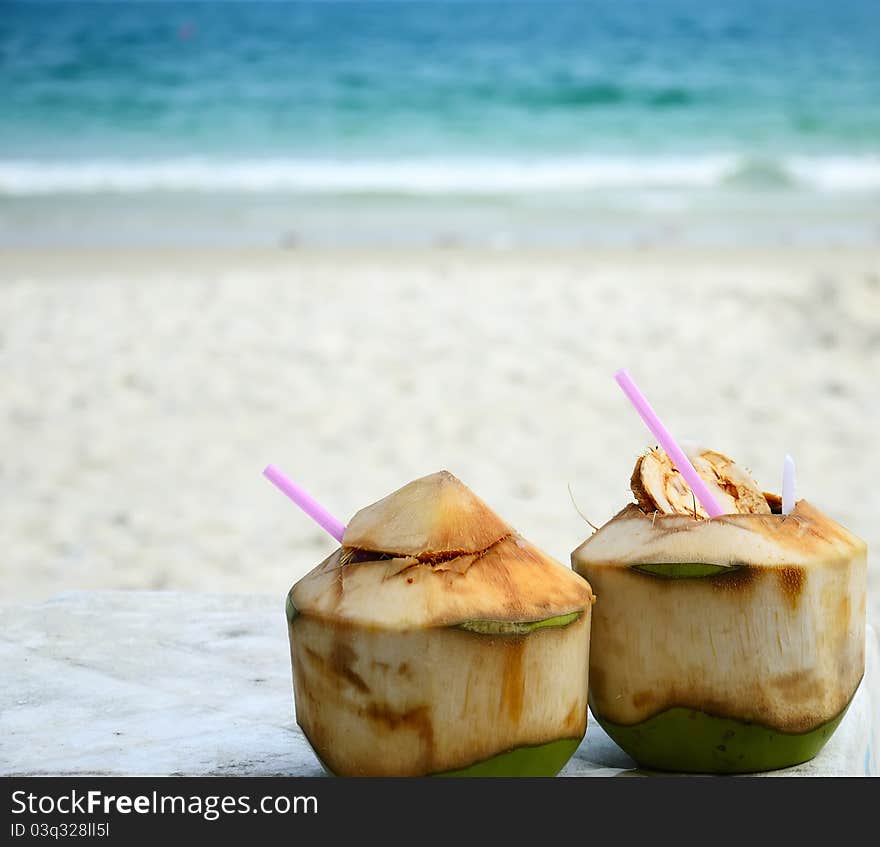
[(788, 480)]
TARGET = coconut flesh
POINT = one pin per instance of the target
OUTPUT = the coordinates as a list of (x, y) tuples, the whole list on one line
[(437, 640), (730, 644)]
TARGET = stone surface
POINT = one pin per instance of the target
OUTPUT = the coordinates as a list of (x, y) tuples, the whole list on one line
[(165, 683)]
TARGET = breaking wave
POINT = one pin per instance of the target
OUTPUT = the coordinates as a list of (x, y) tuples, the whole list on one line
[(23, 178)]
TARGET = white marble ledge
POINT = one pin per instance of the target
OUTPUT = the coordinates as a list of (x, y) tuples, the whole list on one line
[(165, 683)]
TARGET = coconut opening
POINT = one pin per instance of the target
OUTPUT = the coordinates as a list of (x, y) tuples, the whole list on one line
[(357, 555), (353, 556)]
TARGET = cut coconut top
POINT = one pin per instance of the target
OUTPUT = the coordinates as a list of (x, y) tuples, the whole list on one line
[(659, 487), (437, 514), (434, 554), (806, 536)]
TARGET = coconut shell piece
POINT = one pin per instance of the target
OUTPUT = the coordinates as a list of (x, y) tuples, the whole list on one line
[(659, 487)]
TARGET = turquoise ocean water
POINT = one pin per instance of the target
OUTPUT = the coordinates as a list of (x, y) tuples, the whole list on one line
[(445, 122)]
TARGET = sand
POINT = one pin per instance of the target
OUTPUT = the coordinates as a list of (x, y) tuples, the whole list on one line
[(142, 393)]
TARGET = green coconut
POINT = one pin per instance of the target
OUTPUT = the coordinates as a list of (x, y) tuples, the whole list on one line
[(437, 641), (731, 644)]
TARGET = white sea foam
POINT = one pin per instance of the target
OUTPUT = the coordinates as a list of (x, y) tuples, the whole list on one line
[(21, 178)]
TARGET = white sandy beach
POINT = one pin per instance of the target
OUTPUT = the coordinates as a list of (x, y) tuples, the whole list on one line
[(142, 393)]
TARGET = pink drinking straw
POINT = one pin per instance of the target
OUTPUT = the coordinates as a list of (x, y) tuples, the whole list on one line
[(667, 442), (305, 501)]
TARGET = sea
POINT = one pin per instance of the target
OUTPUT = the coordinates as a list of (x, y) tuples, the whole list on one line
[(609, 122)]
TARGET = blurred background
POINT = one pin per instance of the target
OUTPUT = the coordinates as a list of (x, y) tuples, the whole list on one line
[(369, 240)]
